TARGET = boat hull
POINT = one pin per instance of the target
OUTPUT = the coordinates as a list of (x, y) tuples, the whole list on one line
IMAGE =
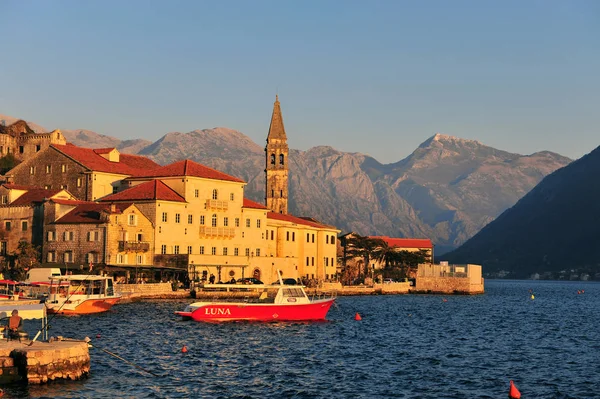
[(232, 311), (88, 306)]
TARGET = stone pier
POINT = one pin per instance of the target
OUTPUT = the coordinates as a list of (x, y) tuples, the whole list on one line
[(43, 361)]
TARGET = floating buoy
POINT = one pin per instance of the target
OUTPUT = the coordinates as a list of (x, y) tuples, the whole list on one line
[(582, 291), (578, 292), (444, 300), (98, 335), (532, 297), (357, 317), (184, 349), (513, 392)]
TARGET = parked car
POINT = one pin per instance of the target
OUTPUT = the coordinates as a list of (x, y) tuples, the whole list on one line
[(287, 281), (249, 280)]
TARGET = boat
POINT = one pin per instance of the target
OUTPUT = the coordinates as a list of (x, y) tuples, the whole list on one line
[(259, 302), (84, 294), (10, 289)]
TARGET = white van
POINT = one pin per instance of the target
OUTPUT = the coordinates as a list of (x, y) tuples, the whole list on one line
[(41, 274)]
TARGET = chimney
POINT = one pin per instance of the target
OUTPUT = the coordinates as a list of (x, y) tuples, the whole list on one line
[(113, 208)]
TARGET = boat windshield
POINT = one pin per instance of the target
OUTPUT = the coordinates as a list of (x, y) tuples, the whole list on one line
[(293, 292)]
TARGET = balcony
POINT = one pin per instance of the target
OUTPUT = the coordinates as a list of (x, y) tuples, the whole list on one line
[(134, 246), (225, 232), (216, 205)]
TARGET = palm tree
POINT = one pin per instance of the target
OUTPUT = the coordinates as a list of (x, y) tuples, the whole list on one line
[(363, 247)]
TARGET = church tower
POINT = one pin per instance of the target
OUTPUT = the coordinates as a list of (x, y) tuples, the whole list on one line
[(276, 168)]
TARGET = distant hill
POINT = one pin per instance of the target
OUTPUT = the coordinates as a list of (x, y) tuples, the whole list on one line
[(446, 190), (555, 227)]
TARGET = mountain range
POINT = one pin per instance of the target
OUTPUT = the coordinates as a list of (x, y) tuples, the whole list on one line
[(554, 228), (447, 189)]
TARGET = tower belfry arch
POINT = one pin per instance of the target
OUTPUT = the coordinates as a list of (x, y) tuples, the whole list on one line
[(277, 163)]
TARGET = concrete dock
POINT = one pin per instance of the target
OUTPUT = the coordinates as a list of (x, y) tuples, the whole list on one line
[(43, 361)]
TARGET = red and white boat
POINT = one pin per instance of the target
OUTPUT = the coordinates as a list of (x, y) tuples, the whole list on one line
[(83, 294), (277, 302)]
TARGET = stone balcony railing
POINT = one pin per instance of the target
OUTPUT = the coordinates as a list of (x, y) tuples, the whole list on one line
[(216, 205), (226, 232), (134, 246)]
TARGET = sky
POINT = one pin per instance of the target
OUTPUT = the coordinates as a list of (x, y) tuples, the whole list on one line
[(376, 77)]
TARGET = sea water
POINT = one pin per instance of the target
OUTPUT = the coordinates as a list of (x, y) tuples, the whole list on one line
[(405, 346)]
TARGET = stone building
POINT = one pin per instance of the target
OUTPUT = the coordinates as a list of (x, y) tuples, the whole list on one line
[(276, 163), (89, 174), (79, 233), (21, 141)]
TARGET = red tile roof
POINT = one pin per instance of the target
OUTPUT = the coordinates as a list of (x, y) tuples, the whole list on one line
[(189, 168), (406, 242), (70, 202), (152, 190), (293, 219), (34, 195), (132, 165), (89, 213), (12, 186), (251, 204)]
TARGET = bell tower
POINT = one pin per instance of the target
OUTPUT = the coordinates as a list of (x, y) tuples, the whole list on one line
[(276, 167)]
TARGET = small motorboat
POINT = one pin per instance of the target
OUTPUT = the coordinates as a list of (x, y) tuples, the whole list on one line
[(274, 302), (84, 294)]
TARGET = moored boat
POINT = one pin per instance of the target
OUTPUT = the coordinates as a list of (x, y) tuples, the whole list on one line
[(84, 294), (276, 302)]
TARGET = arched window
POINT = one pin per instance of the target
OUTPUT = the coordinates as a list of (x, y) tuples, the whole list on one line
[(214, 220), (215, 194), (272, 159), (280, 159)]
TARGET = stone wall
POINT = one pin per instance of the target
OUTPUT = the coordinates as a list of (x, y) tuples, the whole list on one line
[(448, 285), (138, 290)]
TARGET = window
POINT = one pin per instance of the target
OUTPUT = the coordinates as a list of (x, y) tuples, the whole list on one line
[(287, 235), (2, 247), (307, 261), (196, 193), (5, 199), (307, 237), (51, 256), (280, 159), (163, 249), (247, 222), (48, 186), (139, 237), (258, 223), (120, 258), (7, 226), (140, 259), (280, 193), (237, 222), (236, 251), (164, 217), (225, 251), (32, 170), (176, 249), (201, 249), (189, 250), (202, 220), (64, 187), (231, 196), (51, 236), (272, 235), (132, 221), (79, 182), (313, 238), (272, 159), (38, 148), (115, 189), (257, 251), (332, 262), (93, 236), (215, 194), (63, 168), (326, 261), (48, 168), (190, 219), (21, 149), (332, 240), (90, 257), (177, 218), (326, 239), (68, 257), (225, 221), (214, 220), (247, 251), (68, 236), (213, 250), (312, 261)]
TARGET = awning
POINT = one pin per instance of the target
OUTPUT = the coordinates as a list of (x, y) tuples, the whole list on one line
[(33, 311)]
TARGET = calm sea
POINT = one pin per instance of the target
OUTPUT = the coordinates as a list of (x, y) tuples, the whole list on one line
[(411, 346)]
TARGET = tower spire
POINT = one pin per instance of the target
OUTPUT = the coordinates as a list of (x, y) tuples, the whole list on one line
[(276, 165), (276, 129)]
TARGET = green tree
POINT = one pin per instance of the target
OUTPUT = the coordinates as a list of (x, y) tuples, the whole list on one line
[(362, 247), (25, 257), (8, 162)]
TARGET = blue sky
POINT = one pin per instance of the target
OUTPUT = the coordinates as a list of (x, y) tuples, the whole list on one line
[(377, 77)]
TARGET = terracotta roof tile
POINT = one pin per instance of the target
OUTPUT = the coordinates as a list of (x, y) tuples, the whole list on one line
[(251, 204), (152, 190), (90, 212), (34, 195), (406, 242), (132, 165), (293, 219), (189, 168), (12, 186)]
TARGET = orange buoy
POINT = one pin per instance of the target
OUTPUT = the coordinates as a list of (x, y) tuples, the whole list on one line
[(513, 392), (357, 317), (184, 349)]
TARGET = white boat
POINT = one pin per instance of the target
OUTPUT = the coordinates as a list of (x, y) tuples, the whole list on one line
[(84, 294)]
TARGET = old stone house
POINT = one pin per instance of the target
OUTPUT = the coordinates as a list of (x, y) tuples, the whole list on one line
[(89, 174), (21, 141)]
